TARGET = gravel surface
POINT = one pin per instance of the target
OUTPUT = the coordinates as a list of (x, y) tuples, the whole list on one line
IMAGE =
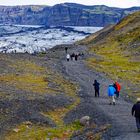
[(119, 116)]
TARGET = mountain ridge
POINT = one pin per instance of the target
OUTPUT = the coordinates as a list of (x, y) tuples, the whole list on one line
[(66, 14)]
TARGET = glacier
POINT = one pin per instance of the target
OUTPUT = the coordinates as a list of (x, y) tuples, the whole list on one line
[(22, 38)]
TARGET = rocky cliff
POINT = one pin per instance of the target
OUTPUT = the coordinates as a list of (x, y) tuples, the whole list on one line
[(69, 14)]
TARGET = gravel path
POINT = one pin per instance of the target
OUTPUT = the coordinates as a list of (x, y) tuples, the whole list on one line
[(119, 116)]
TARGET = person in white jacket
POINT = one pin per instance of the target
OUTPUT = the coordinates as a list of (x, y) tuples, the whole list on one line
[(68, 57)]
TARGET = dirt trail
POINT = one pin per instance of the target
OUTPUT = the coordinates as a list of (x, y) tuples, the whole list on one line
[(119, 116)]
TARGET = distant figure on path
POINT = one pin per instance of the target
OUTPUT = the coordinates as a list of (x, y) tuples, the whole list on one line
[(72, 56), (81, 55), (76, 57), (96, 88), (118, 88), (5, 51), (136, 113), (111, 93), (66, 49), (68, 57)]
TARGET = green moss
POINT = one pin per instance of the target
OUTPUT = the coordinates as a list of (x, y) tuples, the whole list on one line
[(129, 37), (31, 76), (128, 20), (26, 76), (113, 62), (36, 132)]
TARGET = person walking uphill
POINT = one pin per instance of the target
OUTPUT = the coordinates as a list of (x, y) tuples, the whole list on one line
[(76, 57), (111, 93), (66, 49), (96, 88), (118, 88), (68, 57), (136, 113)]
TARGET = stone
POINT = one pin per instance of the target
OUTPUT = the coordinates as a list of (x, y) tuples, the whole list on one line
[(85, 121), (16, 130), (27, 123)]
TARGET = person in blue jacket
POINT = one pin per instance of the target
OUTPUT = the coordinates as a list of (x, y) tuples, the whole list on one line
[(111, 93)]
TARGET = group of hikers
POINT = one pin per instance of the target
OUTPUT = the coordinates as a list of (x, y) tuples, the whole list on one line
[(113, 89), (114, 92), (73, 56)]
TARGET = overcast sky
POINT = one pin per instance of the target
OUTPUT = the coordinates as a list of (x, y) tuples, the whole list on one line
[(114, 3)]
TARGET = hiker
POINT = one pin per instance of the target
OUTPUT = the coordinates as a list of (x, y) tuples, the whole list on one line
[(5, 51), (111, 92), (136, 113), (118, 88), (96, 88), (76, 57), (81, 54), (72, 56), (66, 49), (68, 57)]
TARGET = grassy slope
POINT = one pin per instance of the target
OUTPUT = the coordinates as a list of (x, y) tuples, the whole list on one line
[(28, 75), (118, 50)]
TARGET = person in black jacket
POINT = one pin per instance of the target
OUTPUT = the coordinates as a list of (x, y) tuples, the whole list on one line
[(136, 113), (96, 88), (66, 49)]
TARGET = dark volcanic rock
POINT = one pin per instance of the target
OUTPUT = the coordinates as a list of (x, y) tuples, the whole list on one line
[(19, 111)]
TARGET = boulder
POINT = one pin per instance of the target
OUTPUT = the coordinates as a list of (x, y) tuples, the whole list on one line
[(85, 120)]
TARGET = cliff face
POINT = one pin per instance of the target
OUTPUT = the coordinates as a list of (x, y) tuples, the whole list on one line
[(63, 14), (24, 15)]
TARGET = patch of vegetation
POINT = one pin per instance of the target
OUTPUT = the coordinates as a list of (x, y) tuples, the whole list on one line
[(129, 37), (36, 132), (61, 131), (133, 18), (26, 76), (113, 62), (29, 76), (34, 77)]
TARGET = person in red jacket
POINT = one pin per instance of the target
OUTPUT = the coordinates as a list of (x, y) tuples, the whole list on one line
[(118, 88)]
